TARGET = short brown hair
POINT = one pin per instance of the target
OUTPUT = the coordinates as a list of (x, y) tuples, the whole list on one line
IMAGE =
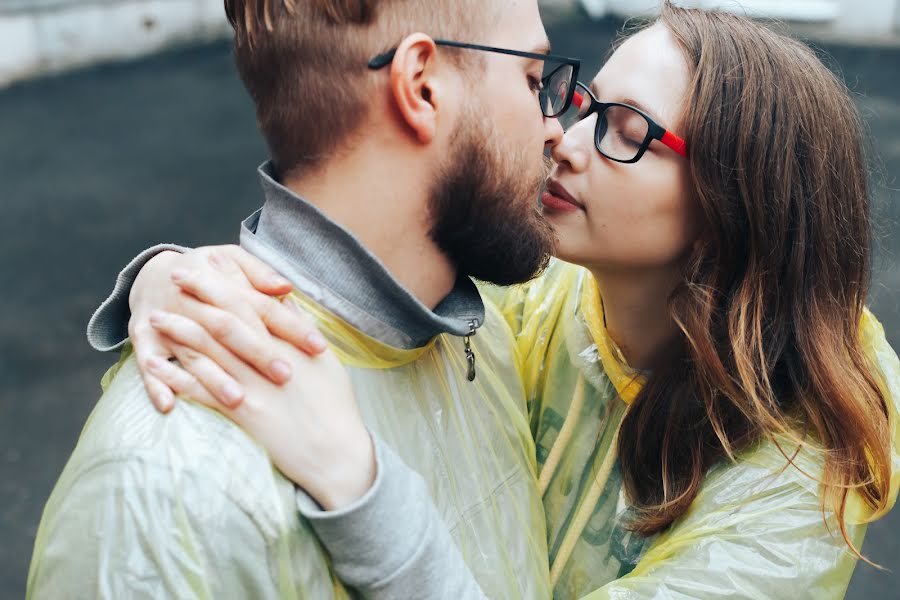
[(304, 62)]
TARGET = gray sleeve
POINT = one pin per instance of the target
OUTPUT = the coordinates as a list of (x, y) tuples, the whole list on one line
[(392, 543), (108, 328)]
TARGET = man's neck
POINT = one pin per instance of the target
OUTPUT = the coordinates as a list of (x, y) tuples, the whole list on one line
[(635, 305), (386, 209)]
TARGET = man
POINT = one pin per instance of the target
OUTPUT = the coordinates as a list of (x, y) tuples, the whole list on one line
[(384, 194)]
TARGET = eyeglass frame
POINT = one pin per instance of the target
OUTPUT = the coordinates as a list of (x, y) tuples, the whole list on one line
[(383, 60), (655, 131)]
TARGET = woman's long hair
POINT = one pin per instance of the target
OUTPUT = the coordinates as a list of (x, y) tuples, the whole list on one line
[(774, 292)]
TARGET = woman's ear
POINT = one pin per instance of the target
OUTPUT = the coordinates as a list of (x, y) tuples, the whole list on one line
[(414, 84)]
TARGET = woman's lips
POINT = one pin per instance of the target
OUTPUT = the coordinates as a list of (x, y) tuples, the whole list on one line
[(557, 199)]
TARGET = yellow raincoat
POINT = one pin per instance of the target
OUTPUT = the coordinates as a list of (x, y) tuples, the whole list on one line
[(188, 506), (756, 530)]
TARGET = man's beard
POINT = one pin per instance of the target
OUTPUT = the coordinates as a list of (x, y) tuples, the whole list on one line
[(484, 210)]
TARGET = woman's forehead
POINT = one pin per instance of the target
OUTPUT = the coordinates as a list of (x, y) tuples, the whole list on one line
[(648, 67)]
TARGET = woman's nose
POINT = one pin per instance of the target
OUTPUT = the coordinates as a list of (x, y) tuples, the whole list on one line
[(574, 150)]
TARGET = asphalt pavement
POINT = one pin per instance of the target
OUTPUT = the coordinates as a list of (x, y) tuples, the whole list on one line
[(98, 164)]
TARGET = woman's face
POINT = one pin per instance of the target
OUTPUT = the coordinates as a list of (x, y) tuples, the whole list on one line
[(633, 216)]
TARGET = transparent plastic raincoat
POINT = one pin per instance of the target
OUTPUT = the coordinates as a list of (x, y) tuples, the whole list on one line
[(756, 530), (188, 506)]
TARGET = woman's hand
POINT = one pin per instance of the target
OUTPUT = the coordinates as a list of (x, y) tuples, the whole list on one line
[(242, 288), (310, 425)]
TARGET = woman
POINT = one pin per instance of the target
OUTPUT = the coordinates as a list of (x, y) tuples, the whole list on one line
[(711, 402)]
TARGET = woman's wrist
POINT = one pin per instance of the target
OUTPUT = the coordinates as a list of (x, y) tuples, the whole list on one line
[(345, 473), (159, 266)]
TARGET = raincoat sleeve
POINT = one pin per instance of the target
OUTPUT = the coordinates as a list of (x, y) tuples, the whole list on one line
[(108, 328), (117, 534)]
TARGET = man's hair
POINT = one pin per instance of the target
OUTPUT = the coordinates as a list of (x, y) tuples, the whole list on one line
[(305, 62)]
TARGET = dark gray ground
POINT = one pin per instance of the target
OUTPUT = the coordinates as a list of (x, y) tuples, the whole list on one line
[(96, 165)]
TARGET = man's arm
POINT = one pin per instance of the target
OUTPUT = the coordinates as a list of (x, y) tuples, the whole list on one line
[(120, 532)]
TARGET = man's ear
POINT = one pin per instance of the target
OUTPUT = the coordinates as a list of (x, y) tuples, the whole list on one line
[(414, 85)]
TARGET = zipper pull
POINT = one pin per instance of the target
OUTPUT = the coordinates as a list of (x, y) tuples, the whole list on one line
[(470, 354)]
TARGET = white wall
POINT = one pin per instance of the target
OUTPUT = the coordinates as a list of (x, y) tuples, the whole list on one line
[(792, 10), (855, 18), (45, 36), (867, 17)]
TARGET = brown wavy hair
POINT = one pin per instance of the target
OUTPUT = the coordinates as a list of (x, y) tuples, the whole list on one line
[(773, 294)]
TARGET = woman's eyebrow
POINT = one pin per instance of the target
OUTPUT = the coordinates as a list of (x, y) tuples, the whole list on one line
[(630, 101), (644, 108)]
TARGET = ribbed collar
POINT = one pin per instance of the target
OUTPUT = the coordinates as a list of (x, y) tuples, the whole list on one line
[(330, 265)]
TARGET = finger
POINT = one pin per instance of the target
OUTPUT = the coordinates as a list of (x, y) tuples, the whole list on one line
[(207, 361), (147, 343), (161, 395), (234, 295), (283, 319), (205, 372), (286, 320), (260, 275), (254, 347), (183, 383)]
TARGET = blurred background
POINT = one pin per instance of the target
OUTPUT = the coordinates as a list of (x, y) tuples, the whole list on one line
[(122, 124)]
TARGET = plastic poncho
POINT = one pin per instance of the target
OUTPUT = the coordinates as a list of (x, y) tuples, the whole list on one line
[(188, 506), (756, 529)]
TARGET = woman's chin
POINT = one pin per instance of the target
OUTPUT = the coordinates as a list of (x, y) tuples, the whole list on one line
[(566, 247), (570, 253)]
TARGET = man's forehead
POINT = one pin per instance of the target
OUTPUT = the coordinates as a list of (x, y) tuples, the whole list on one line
[(521, 28)]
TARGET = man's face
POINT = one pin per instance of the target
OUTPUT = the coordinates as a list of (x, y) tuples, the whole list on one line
[(484, 201)]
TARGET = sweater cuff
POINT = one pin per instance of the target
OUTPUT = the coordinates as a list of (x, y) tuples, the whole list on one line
[(108, 328), (367, 541), (392, 543)]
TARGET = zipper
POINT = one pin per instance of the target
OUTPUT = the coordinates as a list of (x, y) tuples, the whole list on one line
[(470, 354)]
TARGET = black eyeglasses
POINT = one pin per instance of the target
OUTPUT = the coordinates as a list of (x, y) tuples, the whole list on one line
[(623, 132), (557, 85)]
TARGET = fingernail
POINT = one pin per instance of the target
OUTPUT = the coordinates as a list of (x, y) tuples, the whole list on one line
[(233, 392), (157, 318), (166, 400), (317, 341), (281, 370), (179, 275), (278, 281), (216, 260), (154, 363)]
